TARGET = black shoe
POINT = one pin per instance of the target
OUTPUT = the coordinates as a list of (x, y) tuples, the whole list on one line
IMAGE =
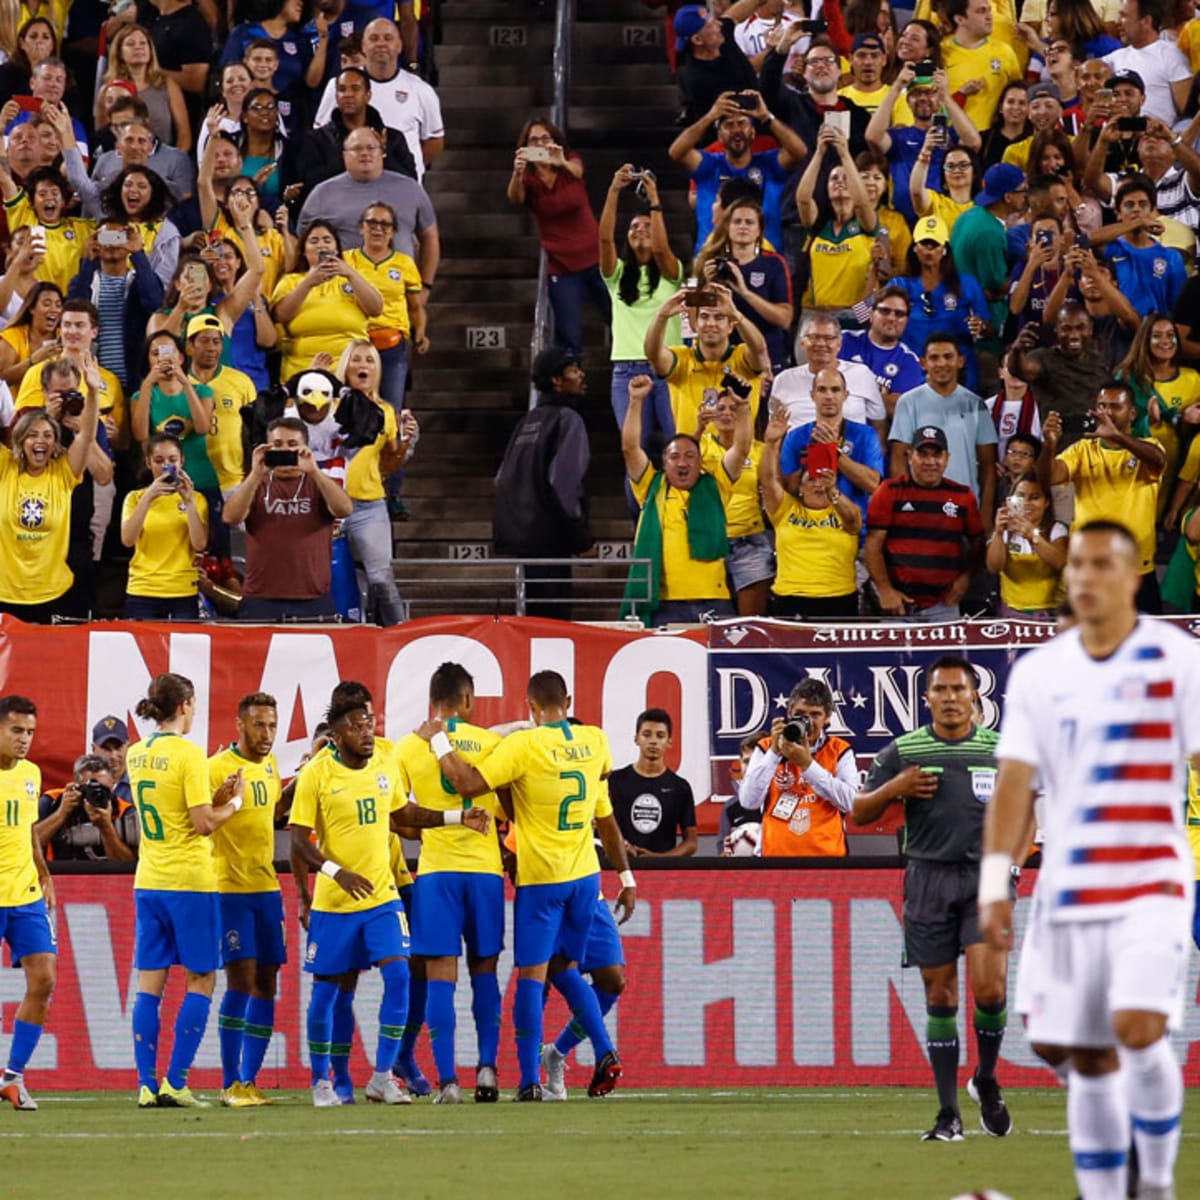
[(604, 1079), (531, 1091), (1132, 1173), (947, 1128), (994, 1117)]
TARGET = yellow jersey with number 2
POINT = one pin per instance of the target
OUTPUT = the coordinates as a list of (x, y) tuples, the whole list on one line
[(244, 847), (557, 775)]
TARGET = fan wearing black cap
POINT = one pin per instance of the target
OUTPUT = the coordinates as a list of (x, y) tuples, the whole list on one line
[(1160, 65), (541, 504), (868, 57), (1120, 155), (924, 535)]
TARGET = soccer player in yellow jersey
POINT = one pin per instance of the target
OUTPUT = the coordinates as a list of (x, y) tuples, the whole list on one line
[(175, 888), (26, 892), (252, 924), (459, 894), (556, 773), (1191, 818), (350, 797)]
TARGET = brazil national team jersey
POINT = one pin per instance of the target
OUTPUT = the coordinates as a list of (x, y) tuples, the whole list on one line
[(557, 774), (20, 789), (949, 826), (244, 847), (1192, 814), (350, 812), (452, 847), (169, 775)]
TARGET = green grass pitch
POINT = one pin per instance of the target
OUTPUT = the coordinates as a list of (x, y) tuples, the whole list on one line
[(839, 1144)]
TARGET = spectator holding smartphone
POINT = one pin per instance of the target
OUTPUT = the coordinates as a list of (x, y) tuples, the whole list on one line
[(1028, 550), (1034, 280), (166, 524)]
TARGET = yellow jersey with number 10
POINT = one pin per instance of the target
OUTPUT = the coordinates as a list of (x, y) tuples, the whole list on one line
[(244, 847), (450, 847), (20, 789), (557, 774), (168, 775), (350, 812)]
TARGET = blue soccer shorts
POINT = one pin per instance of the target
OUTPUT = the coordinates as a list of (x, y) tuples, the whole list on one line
[(604, 947), (252, 926), (177, 929), (553, 918), (455, 907), (28, 930), (355, 941)]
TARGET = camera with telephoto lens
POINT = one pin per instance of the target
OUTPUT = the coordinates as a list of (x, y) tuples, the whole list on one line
[(96, 794), (798, 729), (72, 403)]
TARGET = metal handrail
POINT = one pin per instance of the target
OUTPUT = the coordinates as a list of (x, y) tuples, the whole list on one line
[(564, 22)]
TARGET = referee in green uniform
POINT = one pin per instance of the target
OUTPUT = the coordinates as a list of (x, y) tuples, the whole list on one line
[(943, 773)]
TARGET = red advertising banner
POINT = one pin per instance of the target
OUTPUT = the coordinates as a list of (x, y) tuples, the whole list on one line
[(736, 977)]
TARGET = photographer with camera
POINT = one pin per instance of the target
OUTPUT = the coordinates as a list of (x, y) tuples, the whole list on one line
[(802, 779), (289, 507), (86, 820)]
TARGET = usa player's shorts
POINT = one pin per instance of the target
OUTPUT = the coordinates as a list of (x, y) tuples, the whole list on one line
[(177, 928), (553, 918), (604, 947), (27, 930), (455, 907), (252, 926), (941, 916), (1075, 974), (355, 941)]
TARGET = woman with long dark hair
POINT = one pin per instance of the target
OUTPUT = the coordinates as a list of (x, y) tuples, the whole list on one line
[(37, 39), (547, 178), (1010, 124), (640, 278), (1028, 550), (1077, 22), (31, 337)]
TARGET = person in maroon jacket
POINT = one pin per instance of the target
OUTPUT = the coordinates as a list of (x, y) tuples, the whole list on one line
[(547, 179), (924, 534)]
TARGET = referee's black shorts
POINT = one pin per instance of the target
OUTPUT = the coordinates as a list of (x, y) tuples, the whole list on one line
[(941, 916)]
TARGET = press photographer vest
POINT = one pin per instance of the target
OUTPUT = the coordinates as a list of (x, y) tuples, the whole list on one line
[(796, 821)]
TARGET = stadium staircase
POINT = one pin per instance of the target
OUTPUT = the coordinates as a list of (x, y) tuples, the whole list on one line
[(494, 71)]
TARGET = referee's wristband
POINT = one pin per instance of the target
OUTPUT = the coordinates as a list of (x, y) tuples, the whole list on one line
[(995, 877), (452, 816), (440, 745), (330, 868), (627, 879)]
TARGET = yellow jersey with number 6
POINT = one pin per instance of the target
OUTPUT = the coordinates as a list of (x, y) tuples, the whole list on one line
[(168, 775), (350, 812), (244, 847), (20, 789), (557, 775)]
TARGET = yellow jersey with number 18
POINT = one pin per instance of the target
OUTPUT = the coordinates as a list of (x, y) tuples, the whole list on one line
[(450, 847), (557, 774), (350, 812), (244, 847), (20, 789), (168, 775)]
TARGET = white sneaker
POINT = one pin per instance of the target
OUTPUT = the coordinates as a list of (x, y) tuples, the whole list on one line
[(448, 1093), (385, 1089), (13, 1089), (555, 1087), (324, 1096)]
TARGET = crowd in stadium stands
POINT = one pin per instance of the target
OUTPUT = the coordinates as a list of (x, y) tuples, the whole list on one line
[(940, 305)]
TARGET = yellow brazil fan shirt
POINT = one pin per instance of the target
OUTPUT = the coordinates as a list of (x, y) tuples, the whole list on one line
[(35, 528), (557, 774), (64, 241), (168, 775), (395, 278), (450, 847), (232, 391), (364, 481), (350, 812), (244, 847), (163, 562), (694, 381), (20, 789), (743, 512)]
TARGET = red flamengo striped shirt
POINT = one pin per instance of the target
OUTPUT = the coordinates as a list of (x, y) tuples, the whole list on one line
[(927, 528)]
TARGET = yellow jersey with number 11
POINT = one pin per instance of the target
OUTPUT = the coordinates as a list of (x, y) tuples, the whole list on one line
[(557, 774), (244, 847), (168, 775), (20, 789)]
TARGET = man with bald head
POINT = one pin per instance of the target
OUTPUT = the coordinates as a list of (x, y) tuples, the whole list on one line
[(343, 199), (403, 100)]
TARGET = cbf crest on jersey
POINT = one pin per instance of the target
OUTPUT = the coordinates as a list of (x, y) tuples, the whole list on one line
[(382, 782), (33, 512)]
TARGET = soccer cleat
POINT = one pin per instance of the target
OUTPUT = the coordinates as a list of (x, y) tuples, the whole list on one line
[(1147, 1191), (994, 1117), (604, 1078), (413, 1078), (147, 1098), (486, 1089), (448, 1093), (235, 1096), (531, 1091), (384, 1088), (13, 1089), (261, 1099), (324, 1096), (556, 1073), (946, 1128), (344, 1089), (184, 1097)]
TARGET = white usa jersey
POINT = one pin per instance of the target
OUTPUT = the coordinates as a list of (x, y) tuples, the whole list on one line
[(1110, 740)]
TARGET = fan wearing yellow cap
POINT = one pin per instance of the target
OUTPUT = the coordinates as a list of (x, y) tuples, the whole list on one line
[(232, 390)]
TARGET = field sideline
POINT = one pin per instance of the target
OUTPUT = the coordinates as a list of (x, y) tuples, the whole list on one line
[(815, 1143)]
